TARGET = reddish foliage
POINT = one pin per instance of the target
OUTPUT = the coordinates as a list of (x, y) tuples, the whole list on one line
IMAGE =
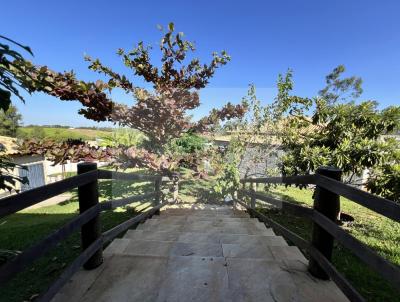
[(162, 113), (71, 150)]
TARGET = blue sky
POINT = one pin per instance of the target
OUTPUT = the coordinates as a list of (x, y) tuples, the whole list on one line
[(264, 38)]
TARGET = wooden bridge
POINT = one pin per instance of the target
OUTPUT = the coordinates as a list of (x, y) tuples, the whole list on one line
[(202, 252)]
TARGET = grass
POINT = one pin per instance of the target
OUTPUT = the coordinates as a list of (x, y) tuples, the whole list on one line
[(378, 232), (194, 190), (59, 134), (23, 229)]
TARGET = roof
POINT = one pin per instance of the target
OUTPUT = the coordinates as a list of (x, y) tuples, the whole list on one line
[(10, 145)]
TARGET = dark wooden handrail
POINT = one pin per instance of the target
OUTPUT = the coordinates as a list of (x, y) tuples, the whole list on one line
[(17, 264), (107, 174), (297, 240), (384, 267), (338, 278), (20, 201), (281, 204), (375, 203), (70, 270), (298, 179), (114, 232), (325, 231), (115, 203), (88, 220)]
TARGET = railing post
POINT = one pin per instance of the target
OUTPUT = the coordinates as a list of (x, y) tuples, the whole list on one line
[(91, 231), (157, 190), (175, 188), (327, 203), (253, 198)]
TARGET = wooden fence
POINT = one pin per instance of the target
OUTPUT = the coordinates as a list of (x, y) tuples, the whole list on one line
[(324, 215), (88, 220)]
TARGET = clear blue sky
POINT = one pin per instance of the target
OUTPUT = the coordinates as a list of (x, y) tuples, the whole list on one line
[(264, 38)]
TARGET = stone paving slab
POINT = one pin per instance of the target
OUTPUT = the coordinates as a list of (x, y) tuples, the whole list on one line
[(217, 223), (169, 248), (79, 284), (157, 228), (253, 240), (196, 249), (253, 251), (200, 237), (199, 209), (287, 253), (255, 280), (127, 278), (205, 215), (201, 218), (150, 235), (263, 250), (310, 288), (118, 245), (148, 248), (195, 279), (247, 229)]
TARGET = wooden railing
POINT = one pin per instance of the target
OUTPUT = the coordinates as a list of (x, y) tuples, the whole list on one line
[(324, 215), (88, 221)]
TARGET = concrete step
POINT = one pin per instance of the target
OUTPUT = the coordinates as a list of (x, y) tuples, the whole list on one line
[(120, 278), (211, 237), (204, 213), (265, 280), (220, 210), (201, 218), (195, 279), (268, 249), (204, 228), (215, 222), (164, 248), (180, 278), (262, 250)]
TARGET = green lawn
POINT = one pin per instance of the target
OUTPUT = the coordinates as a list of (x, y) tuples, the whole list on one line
[(60, 134), (21, 230), (194, 190), (380, 233)]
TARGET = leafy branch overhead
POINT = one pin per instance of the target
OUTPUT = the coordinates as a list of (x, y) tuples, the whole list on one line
[(11, 73)]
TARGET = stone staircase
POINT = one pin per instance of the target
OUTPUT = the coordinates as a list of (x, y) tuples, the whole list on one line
[(204, 253)]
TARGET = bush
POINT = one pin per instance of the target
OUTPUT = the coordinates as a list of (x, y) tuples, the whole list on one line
[(188, 143), (386, 182)]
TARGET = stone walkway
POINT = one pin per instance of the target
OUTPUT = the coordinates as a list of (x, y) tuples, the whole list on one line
[(203, 254)]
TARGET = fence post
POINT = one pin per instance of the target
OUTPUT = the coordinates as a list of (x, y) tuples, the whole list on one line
[(175, 188), (91, 231), (253, 198), (157, 190), (328, 204)]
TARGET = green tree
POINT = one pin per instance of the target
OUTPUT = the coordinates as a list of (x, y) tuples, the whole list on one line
[(123, 137), (334, 129), (188, 143), (248, 136), (10, 121)]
